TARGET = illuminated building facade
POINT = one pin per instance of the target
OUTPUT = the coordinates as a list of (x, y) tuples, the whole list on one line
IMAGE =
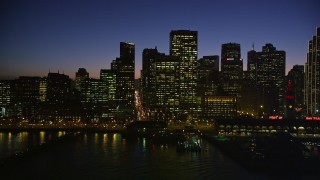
[(184, 45), (221, 107), (108, 82), (124, 68), (312, 76), (82, 84), (296, 77), (43, 89), (231, 69), (166, 99), (268, 71), (289, 101), (148, 80), (58, 88), (5, 97), (208, 76), (26, 96), (160, 85)]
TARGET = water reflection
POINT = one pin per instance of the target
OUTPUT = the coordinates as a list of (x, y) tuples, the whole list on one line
[(14, 142)]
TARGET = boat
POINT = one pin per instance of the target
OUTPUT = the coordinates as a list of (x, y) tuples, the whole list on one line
[(191, 142)]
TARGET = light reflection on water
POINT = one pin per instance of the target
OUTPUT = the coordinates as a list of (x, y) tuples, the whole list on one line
[(14, 142), (109, 156)]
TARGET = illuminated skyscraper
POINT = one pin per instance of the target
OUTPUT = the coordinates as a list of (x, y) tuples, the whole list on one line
[(231, 69), (108, 80), (58, 88), (148, 80), (5, 97), (184, 45), (124, 70), (312, 76), (296, 77), (166, 99), (267, 70)]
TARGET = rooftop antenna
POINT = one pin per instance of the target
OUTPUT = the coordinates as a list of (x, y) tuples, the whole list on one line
[(252, 45)]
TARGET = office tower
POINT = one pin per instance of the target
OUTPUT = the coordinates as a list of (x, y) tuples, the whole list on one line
[(82, 83), (296, 77), (149, 57), (165, 103), (58, 88), (43, 89), (312, 76), (289, 102), (208, 75), (26, 96), (268, 67), (252, 66), (108, 80), (160, 84), (231, 69), (184, 45), (5, 97), (124, 69)]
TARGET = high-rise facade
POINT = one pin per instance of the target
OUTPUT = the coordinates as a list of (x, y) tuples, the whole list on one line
[(108, 80), (58, 88), (208, 75), (148, 75), (296, 77), (5, 97), (267, 69), (231, 69), (82, 83), (124, 70), (184, 45), (312, 76)]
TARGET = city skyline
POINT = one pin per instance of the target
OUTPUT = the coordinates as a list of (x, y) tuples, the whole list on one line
[(43, 36)]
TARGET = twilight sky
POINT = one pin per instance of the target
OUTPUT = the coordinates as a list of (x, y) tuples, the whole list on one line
[(38, 36)]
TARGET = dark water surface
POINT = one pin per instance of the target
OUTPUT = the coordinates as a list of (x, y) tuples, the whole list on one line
[(109, 156)]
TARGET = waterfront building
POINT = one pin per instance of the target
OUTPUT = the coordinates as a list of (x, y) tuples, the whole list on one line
[(26, 96), (312, 76), (220, 107), (184, 45)]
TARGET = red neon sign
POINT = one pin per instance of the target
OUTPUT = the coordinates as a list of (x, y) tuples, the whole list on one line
[(275, 117), (310, 118)]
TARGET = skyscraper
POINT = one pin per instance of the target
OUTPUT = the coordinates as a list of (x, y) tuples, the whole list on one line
[(166, 99), (312, 76), (231, 69), (148, 80), (58, 88), (268, 71), (124, 69), (184, 45), (296, 77), (82, 84)]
